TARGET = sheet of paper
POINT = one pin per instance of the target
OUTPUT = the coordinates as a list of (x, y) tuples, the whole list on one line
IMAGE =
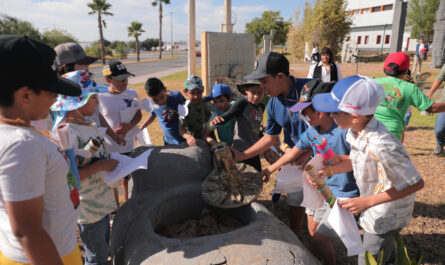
[(143, 137), (183, 110), (344, 224), (311, 197), (125, 167), (288, 179), (147, 105), (132, 133)]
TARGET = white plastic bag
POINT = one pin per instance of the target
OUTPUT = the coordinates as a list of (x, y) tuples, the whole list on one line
[(311, 197), (288, 179)]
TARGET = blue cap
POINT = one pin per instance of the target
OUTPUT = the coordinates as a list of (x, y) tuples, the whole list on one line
[(219, 90)]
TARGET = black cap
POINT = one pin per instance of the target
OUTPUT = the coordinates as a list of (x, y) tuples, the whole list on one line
[(26, 62), (270, 63), (116, 70), (310, 89)]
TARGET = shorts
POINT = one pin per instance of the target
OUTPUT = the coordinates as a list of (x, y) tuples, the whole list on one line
[(321, 217), (295, 198), (73, 258), (375, 242)]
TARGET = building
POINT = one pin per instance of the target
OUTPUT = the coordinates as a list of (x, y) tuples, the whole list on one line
[(372, 25)]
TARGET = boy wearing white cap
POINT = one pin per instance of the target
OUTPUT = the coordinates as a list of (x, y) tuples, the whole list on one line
[(385, 175)]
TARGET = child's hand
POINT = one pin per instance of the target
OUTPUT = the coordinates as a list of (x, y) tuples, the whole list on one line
[(303, 159), (333, 161), (216, 120), (107, 164), (123, 129), (309, 180), (237, 155), (119, 139), (355, 205), (191, 141), (265, 175), (324, 172)]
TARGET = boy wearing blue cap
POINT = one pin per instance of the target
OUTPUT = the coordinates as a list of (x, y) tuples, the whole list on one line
[(166, 109), (385, 175), (221, 98)]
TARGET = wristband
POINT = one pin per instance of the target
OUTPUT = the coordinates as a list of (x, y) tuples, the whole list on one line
[(331, 201), (285, 147), (322, 188)]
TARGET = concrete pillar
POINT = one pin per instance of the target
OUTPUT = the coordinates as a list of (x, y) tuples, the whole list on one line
[(266, 45), (191, 39), (398, 26), (227, 26), (438, 57)]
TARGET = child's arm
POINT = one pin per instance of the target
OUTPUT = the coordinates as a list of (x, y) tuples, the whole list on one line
[(101, 165), (207, 138), (117, 138), (234, 111), (288, 157), (125, 127), (359, 204), (148, 121), (191, 141)]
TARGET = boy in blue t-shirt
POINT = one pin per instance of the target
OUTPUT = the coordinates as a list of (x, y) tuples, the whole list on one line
[(166, 108), (342, 185), (221, 97)]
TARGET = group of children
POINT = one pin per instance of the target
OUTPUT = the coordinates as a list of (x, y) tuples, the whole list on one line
[(371, 174)]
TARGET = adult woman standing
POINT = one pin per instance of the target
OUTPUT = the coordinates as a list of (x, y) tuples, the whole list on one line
[(37, 213), (326, 70)]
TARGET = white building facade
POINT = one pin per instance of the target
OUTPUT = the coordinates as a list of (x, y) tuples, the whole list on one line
[(372, 25)]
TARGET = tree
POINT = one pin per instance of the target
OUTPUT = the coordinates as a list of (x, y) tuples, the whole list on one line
[(135, 30), (420, 18), (295, 38), (269, 20), (148, 44), (95, 50), (55, 37), (12, 25), (100, 7), (159, 3)]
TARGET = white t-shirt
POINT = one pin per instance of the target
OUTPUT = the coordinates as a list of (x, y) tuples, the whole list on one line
[(32, 166), (115, 106), (373, 146), (325, 73)]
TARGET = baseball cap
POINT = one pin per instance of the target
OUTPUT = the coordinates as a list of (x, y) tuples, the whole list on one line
[(242, 87), (220, 89), (69, 52), (354, 94), (270, 63), (396, 63), (116, 70), (310, 89), (193, 82), (26, 62)]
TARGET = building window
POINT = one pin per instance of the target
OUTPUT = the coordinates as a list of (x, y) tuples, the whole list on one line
[(366, 10), (366, 40), (376, 9), (357, 11), (379, 39), (387, 37), (359, 39), (387, 7), (348, 38)]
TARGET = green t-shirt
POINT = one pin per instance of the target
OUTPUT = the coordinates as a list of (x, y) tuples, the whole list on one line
[(399, 96)]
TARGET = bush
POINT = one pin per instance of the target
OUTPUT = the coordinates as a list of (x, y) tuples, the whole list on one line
[(94, 51)]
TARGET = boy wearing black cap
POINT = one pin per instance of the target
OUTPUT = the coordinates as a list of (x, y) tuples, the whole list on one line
[(37, 214), (272, 69), (342, 185), (401, 94), (120, 108)]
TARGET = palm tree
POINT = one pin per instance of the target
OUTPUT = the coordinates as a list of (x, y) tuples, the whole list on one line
[(156, 3), (135, 30), (100, 7)]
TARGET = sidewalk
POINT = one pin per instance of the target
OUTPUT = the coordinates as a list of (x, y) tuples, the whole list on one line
[(160, 74)]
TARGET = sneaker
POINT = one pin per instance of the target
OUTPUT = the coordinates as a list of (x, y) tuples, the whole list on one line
[(438, 149)]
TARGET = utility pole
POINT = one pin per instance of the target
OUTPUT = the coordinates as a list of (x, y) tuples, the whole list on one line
[(191, 40), (227, 26), (171, 31)]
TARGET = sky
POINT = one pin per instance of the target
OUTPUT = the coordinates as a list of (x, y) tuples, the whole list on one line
[(72, 16)]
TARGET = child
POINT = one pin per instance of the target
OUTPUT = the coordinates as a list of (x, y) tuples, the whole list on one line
[(342, 185), (221, 98), (385, 175), (96, 198), (120, 109), (167, 110), (249, 115), (193, 125), (37, 215)]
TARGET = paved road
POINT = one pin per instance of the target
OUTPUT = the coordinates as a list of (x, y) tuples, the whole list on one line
[(149, 69)]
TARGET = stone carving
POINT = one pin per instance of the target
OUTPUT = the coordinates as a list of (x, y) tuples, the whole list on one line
[(349, 51)]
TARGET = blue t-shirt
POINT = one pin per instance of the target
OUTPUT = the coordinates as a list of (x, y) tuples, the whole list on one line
[(225, 130), (342, 185), (169, 118), (279, 116)]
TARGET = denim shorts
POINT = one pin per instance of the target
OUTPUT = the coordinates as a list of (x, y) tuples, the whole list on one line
[(96, 239)]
